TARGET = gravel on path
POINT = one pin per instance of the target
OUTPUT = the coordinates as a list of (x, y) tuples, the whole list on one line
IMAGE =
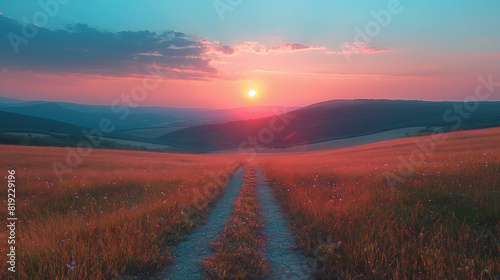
[(281, 251), (191, 252)]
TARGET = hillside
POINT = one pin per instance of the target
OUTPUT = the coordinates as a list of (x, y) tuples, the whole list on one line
[(129, 119), (11, 122), (331, 120)]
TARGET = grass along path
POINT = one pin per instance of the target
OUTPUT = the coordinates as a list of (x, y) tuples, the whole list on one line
[(191, 252), (245, 236), (441, 222), (115, 214), (285, 260), (238, 252)]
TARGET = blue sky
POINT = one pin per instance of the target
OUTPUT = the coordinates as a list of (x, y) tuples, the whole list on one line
[(435, 25)]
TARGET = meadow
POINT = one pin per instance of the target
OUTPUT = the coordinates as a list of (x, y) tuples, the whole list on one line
[(121, 213), (442, 221), (118, 213)]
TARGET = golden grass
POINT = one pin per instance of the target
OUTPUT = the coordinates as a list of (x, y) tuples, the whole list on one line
[(441, 222), (120, 212), (117, 213)]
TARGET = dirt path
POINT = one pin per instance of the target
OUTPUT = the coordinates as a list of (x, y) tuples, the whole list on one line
[(285, 261), (190, 253)]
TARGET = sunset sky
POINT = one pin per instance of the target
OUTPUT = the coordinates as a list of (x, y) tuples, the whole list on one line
[(212, 53)]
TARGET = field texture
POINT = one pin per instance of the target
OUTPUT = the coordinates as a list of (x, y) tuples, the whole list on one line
[(416, 208), (438, 219), (117, 213)]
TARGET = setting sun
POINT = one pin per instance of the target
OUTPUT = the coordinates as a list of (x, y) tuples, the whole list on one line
[(252, 93)]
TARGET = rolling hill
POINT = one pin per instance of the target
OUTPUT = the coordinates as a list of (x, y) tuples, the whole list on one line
[(202, 130), (11, 122), (136, 119), (330, 120)]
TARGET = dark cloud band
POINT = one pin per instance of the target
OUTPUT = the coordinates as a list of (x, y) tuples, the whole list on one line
[(82, 49)]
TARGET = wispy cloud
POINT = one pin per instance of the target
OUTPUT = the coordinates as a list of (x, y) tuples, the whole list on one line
[(259, 48), (362, 48)]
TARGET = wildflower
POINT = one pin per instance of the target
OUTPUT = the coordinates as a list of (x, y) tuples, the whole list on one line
[(72, 265)]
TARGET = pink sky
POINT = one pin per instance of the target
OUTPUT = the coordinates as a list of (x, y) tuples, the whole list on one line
[(282, 75), (293, 53)]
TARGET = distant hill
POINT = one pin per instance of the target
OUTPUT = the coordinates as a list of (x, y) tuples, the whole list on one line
[(202, 130), (11, 122), (331, 120), (138, 118), (17, 129), (5, 100)]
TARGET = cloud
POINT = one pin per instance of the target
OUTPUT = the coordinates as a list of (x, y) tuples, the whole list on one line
[(217, 48), (258, 48), (292, 47), (255, 47), (82, 49), (361, 48)]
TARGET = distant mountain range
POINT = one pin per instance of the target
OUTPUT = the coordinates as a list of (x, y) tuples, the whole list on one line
[(204, 130)]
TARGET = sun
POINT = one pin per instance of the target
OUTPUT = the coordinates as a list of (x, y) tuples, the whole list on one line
[(252, 93)]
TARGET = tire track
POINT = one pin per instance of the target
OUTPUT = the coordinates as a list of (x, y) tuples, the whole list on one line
[(238, 253), (191, 252), (284, 261)]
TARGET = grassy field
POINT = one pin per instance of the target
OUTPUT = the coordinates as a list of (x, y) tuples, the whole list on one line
[(118, 213), (441, 221), (121, 212)]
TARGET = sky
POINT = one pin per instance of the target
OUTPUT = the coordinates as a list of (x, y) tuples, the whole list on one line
[(210, 54)]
